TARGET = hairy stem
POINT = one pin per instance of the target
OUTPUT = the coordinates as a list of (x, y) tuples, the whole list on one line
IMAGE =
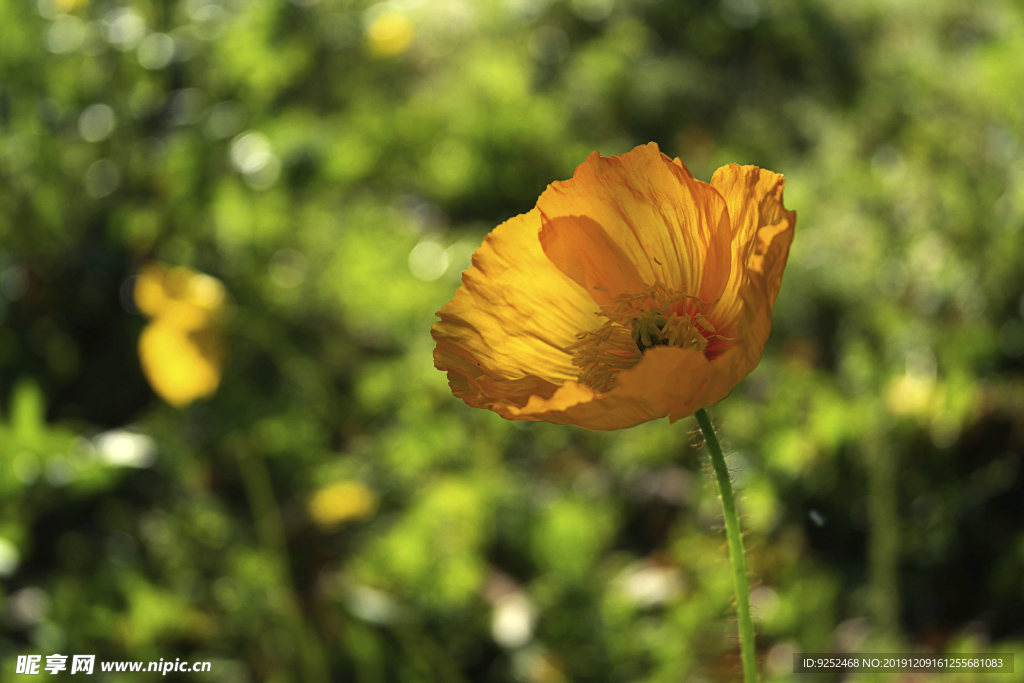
[(735, 538)]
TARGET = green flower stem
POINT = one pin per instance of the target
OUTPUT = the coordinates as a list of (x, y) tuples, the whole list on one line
[(736, 557)]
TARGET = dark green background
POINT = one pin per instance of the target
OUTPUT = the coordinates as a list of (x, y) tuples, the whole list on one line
[(877, 445)]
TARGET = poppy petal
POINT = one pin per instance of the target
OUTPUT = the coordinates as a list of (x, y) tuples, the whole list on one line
[(625, 222), (668, 381), (507, 329), (762, 231)]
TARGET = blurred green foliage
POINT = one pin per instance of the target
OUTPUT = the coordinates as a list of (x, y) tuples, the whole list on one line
[(335, 164)]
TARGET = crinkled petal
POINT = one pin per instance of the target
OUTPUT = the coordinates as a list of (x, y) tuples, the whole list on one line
[(762, 231), (625, 222), (668, 381), (584, 251), (503, 337)]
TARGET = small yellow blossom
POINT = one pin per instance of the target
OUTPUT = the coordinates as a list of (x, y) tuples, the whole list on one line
[(911, 395), (181, 350), (341, 502), (390, 33), (68, 6)]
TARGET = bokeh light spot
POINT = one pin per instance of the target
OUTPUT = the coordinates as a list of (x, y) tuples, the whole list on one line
[(592, 10), (156, 51), (225, 119), (513, 620), (9, 557), (288, 268), (250, 152), (125, 449), (740, 14), (96, 122), (65, 35), (252, 155), (102, 178), (125, 27), (428, 260)]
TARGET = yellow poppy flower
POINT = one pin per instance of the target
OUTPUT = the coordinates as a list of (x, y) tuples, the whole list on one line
[(181, 350), (630, 292)]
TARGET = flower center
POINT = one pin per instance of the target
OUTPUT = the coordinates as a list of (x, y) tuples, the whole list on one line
[(657, 316)]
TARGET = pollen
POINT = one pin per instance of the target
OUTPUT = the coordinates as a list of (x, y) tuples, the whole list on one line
[(635, 322)]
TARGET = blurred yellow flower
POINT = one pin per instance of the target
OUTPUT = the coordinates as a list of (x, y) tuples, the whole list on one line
[(341, 502), (631, 292), (390, 32), (69, 6), (911, 395), (181, 350)]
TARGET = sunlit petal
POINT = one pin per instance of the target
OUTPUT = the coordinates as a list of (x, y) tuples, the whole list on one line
[(515, 314), (629, 221), (762, 232), (668, 381)]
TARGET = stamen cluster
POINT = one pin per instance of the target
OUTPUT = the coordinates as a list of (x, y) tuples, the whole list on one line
[(656, 316)]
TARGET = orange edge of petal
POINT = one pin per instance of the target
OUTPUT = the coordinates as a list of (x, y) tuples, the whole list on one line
[(669, 381)]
